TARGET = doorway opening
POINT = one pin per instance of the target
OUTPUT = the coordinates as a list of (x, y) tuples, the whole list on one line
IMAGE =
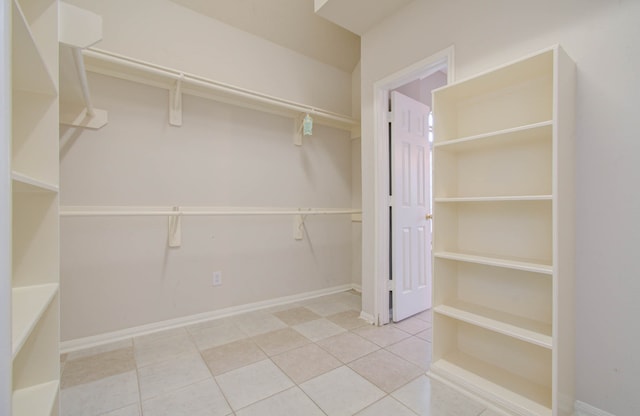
[(395, 286)]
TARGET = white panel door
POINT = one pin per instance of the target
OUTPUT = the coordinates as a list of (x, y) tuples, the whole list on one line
[(410, 228)]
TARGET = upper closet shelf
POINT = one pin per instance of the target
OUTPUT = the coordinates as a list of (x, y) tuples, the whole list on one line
[(178, 83)]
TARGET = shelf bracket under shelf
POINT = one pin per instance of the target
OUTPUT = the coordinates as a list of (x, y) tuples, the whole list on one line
[(80, 29)]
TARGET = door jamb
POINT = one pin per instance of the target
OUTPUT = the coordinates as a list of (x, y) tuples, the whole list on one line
[(423, 68)]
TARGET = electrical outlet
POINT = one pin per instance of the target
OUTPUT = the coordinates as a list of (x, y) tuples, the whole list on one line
[(217, 278)]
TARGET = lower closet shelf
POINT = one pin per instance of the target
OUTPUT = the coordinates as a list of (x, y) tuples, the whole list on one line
[(513, 392), (514, 326), (29, 303), (37, 400)]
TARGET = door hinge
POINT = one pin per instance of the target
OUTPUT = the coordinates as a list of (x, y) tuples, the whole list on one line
[(390, 116), (390, 285), (390, 200)]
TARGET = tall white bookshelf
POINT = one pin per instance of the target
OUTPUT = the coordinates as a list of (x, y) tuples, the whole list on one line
[(34, 163), (504, 235)]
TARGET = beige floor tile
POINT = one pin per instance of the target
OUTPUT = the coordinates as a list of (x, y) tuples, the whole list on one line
[(200, 399), (386, 370), (388, 406), (101, 396), (213, 334), (426, 335), (328, 308), (348, 319), (290, 402), (173, 374), (296, 316), (382, 335), (426, 316), (250, 384), (232, 356), (133, 410), (412, 325), (348, 346), (161, 346), (305, 363), (74, 355), (95, 367), (279, 341), (430, 398), (256, 323), (319, 329), (341, 392), (414, 350)]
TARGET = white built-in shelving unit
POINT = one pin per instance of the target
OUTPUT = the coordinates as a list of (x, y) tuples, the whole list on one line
[(504, 235), (34, 215)]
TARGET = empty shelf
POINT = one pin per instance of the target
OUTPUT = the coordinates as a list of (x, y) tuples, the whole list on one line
[(36, 400), (509, 390), (514, 326), (517, 264), (28, 305), (30, 70), (26, 183)]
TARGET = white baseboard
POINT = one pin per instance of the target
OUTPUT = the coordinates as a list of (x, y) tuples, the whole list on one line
[(585, 409), (96, 340)]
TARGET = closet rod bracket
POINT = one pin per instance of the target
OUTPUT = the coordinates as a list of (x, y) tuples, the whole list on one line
[(175, 102)]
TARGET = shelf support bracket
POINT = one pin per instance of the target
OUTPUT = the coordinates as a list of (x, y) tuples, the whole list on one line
[(175, 229), (78, 30), (175, 103)]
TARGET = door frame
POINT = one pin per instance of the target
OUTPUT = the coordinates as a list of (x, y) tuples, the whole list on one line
[(421, 69)]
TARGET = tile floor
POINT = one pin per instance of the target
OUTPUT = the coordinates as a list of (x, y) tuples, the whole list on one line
[(310, 358)]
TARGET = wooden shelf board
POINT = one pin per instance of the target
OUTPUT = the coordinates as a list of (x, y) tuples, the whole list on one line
[(524, 329), (501, 137), (511, 391), (515, 198), (30, 72), (29, 303), (26, 183), (36, 400), (509, 263)]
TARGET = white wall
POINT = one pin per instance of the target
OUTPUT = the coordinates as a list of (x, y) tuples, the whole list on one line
[(118, 273), (602, 38), (164, 33)]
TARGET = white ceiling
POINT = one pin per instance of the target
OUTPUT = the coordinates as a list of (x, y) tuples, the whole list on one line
[(326, 30), (358, 16)]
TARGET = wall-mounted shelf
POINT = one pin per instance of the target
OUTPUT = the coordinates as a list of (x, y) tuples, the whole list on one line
[(180, 82), (507, 263), (34, 279)]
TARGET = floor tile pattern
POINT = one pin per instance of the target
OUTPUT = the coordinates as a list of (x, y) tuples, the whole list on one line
[(315, 357)]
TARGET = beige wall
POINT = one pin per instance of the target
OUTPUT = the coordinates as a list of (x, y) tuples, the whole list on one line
[(602, 37), (164, 33), (118, 273)]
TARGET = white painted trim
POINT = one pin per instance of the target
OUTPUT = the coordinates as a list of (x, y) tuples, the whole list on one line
[(368, 317), (96, 340), (585, 409), (5, 209), (381, 88)]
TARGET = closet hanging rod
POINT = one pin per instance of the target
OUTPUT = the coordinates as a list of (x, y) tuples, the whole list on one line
[(66, 212), (119, 64)]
